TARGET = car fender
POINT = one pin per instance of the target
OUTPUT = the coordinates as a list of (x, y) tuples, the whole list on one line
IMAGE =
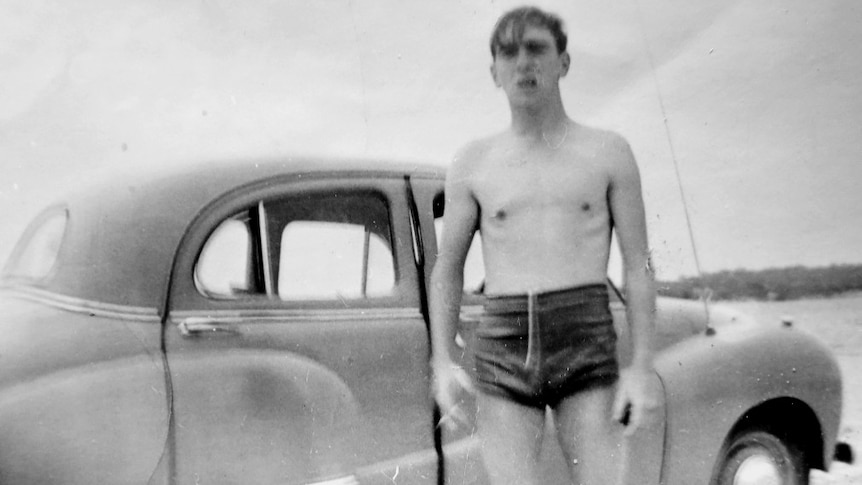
[(74, 426), (82, 392), (713, 379)]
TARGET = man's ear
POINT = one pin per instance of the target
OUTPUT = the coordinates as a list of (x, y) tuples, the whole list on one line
[(494, 75), (566, 61)]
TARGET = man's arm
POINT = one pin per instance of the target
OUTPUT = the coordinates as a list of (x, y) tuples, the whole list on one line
[(627, 211), (447, 281)]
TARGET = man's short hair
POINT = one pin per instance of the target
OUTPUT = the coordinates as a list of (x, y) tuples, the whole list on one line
[(510, 28)]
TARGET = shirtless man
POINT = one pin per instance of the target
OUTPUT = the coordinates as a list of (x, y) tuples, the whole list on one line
[(545, 195)]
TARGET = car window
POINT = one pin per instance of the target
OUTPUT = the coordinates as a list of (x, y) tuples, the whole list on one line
[(39, 247), (313, 246), (333, 260), (332, 246), (224, 263)]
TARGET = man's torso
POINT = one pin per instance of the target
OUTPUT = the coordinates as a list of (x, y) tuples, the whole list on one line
[(544, 214)]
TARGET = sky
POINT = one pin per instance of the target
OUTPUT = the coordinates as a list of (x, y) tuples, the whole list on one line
[(755, 105)]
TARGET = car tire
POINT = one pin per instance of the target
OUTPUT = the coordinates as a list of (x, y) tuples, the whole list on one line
[(756, 456)]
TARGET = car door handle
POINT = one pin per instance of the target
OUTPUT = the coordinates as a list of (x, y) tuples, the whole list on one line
[(192, 327)]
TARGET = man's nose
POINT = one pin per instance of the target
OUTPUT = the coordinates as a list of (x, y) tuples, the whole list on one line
[(524, 59)]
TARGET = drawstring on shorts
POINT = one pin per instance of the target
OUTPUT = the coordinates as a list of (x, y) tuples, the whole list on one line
[(533, 336)]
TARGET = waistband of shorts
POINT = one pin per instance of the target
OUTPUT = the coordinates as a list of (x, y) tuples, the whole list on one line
[(561, 297)]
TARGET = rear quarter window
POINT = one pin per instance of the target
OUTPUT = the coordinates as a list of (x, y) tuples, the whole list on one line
[(35, 255)]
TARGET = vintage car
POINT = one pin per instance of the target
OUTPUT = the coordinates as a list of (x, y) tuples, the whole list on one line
[(266, 322)]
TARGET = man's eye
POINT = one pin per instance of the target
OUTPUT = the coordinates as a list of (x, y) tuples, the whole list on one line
[(536, 48), (508, 51)]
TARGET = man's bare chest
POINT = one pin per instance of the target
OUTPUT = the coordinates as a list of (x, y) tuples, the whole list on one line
[(511, 188)]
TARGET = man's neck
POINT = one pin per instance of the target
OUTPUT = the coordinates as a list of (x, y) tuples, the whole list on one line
[(539, 122)]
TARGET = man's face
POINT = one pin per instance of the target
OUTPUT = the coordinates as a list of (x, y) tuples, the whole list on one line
[(530, 67)]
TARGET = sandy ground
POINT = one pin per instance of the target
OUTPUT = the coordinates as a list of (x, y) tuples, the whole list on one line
[(851, 426), (838, 322)]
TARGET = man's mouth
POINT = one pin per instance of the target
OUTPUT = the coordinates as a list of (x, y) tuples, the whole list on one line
[(528, 83)]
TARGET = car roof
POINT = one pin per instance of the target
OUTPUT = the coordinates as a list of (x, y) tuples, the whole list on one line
[(124, 228)]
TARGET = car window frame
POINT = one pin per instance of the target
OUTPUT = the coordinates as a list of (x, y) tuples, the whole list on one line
[(184, 295), (274, 246), (10, 270)]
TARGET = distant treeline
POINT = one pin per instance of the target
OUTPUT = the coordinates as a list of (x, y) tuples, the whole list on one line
[(769, 284)]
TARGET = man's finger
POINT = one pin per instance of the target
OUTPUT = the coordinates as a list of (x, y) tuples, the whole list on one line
[(635, 415), (464, 381), (453, 418), (444, 398), (620, 405), (446, 402), (446, 421)]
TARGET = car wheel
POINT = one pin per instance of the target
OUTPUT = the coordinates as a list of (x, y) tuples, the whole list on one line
[(757, 457)]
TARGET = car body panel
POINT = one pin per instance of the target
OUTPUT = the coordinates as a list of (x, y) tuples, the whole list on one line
[(314, 389), (288, 389), (82, 397), (713, 381), (107, 351), (125, 227)]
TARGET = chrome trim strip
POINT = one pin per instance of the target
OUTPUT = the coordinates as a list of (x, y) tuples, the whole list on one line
[(305, 314), (348, 480), (421, 458), (80, 305)]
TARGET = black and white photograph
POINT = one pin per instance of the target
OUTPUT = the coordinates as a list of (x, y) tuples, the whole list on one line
[(463, 242)]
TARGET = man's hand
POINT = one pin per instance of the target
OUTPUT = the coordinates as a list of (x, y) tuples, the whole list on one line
[(450, 381), (637, 400)]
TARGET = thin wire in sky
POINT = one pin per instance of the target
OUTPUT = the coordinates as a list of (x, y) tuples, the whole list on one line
[(667, 130)]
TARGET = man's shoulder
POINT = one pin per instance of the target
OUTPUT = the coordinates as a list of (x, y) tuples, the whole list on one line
[(608, 139), (609, 148), (479, 148), (474, 154)]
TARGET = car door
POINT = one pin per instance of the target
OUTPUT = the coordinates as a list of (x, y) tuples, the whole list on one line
[(297, 348)]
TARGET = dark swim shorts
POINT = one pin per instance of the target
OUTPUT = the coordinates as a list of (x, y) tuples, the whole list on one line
[(538, 349)]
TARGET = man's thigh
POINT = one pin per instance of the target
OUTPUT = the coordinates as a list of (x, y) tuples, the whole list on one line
[(590, 439), (511, 436)]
